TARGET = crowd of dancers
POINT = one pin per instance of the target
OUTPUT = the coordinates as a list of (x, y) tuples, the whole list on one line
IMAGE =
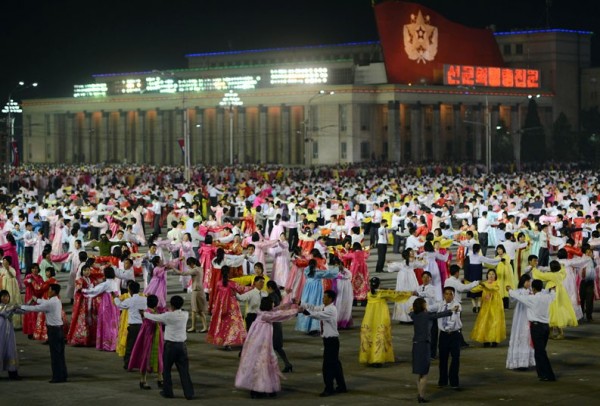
[(255, 246)]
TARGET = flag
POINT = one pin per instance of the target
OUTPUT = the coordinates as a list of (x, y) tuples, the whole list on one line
[(417, 42), (181, 143)]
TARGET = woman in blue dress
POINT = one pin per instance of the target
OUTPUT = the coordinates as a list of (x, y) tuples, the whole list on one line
[(313, 294)]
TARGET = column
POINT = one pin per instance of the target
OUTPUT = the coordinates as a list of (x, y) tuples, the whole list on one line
[(157, 147), (458, 144), (262, 134), (121, 152), (241, 130), (105, 136), (286, 137), (479, 116), (177, 155), (436, 135), (515, 130), (198, 140), (415, 132), (86, 136), (394, 152), (141, 137), (218, 142)]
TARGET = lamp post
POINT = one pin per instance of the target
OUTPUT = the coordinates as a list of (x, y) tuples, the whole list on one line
[(308, 140), (231, 99), (11, 108), (487, 123)]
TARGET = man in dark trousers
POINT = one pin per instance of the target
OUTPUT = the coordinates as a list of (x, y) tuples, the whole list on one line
[(135, 305), (538, 314), (449, 340), (52, 307), (175, 351), (382, 242), (332, 367)]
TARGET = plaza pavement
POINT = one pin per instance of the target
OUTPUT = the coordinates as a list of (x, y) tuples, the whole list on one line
[(97, 378)]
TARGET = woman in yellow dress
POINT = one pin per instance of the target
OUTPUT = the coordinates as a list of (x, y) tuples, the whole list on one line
[(376, 331), (504, 274), (562, 313), (123, 324), (490, 326)]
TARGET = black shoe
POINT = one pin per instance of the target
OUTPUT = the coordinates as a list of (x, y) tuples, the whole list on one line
[(190, 397), (465, 345), (145, 386), (30, 336), (288, 368), (422, 400), (341, 390), (14, 376), (486, 345), (548, 379), (159, 384), (326, 393), (166, 395), (494, 345), (46, 343), (456, 388)]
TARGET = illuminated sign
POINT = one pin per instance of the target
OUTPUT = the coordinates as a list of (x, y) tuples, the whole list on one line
[(465, 75), (90, 90), (299, 76)]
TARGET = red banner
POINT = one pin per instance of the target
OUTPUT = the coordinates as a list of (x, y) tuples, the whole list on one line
[(460, 75), (417, 42)]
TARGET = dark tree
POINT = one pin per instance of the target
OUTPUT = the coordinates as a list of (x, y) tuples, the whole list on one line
[(533, 140), (563, 140)]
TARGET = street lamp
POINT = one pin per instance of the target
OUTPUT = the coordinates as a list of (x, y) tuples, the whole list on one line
[(308, 140), (11, 108), (231, 99)]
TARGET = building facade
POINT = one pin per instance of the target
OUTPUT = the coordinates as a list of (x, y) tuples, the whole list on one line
[(313, 105)]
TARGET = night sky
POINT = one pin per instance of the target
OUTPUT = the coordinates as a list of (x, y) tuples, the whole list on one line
[(63, 42)]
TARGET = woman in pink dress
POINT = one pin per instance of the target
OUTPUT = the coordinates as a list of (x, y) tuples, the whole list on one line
[(83, 320), (207, 253), (259, 369), (296, 279), (281, 261), (10, 250), (359, 270), (107, 314), (158, 283), (227, 324), (147, 352)]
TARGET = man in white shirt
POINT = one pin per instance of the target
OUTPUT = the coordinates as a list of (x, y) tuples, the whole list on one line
[(332, 367), (126, 274), (450, 339), (175, 351), (454, 282), (252, 298), (538, 314), (135, 305), (382, 242), (482, 230), (52, 307), (376, 217)]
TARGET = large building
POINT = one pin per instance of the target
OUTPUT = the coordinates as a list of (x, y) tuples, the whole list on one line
[(409, 97)]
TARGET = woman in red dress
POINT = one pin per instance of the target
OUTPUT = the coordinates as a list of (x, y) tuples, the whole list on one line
[(33, 284), (83, 320), (226, 324), (40, 332), (359, 270)]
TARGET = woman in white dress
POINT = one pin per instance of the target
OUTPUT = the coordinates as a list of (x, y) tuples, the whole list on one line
[(406, 281), (344, 294), (570, 283), (430, 256), (520, 351)]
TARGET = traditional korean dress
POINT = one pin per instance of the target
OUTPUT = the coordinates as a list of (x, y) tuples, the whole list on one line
[(490, 326), (376, 330)]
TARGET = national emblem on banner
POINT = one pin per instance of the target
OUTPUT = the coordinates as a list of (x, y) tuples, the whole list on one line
[(420, 39)]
